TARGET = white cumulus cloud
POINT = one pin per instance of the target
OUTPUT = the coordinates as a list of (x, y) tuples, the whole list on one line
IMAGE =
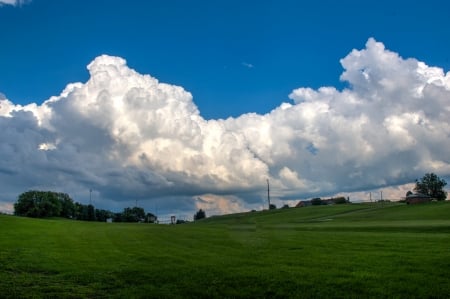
[(128, 136)]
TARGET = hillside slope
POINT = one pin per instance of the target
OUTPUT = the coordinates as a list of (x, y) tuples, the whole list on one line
[(348, 251)]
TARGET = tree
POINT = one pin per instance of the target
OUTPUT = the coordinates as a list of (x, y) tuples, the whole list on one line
[(134, 214), (26, 205), (151, 218), (49, 204), (83, 212), (67, 205), (90, 213), (117, 217), (80, 211), (102, 215), (316, 201), (340, 200), (199, 215), (432, 185), (38, 204)]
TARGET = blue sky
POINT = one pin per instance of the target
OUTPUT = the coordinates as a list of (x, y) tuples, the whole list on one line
[(195, 104), (233, 56)]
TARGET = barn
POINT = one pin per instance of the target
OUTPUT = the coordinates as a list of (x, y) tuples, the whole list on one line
[(416, 198)]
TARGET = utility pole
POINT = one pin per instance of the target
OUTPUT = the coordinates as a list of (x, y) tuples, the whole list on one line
[(90, 197), (268, 193)]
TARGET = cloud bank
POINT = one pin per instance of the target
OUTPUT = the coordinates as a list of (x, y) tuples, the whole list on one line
[(130, 137)]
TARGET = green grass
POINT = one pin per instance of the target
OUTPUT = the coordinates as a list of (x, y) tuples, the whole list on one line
[(341, 251)]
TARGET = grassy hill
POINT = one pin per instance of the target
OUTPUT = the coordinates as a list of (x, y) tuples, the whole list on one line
[(341, 251)]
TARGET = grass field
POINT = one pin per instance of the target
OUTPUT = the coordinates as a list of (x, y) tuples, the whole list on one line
[(341, 251)]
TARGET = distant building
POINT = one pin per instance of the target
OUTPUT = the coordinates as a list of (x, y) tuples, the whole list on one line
[(416, 198), (303, 203)]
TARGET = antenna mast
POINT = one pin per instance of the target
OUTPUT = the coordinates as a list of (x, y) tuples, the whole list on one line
[(268, 193)]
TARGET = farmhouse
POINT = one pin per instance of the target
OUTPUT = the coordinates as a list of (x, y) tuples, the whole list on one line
[(416, 198)]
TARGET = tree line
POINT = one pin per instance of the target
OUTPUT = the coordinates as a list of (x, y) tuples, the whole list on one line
[(43, 204)]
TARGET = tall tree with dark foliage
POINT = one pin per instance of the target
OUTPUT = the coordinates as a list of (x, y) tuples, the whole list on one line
[(432, 185)]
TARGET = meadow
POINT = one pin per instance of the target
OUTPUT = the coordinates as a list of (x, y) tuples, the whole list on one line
[(341, 251)]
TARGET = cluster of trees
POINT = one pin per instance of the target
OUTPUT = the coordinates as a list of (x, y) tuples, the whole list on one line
[(40, 204), (48, 204), (335, 200), (432, 185), (135, 214)]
